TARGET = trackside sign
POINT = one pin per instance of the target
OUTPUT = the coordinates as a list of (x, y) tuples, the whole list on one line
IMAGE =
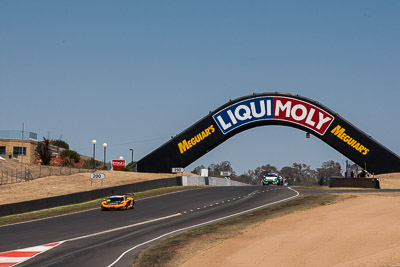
[(118, 163), (273, 108)]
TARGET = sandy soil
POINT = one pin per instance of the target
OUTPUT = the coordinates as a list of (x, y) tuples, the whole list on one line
[(389, 180), (67, 184), (364, 231)]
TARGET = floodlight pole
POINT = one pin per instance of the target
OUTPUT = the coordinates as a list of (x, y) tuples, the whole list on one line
[(94, 153)]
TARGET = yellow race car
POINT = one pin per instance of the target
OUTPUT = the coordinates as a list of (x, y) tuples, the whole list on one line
[(118, 202)]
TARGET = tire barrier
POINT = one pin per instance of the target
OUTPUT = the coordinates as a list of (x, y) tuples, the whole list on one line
[(51, 202), (355, 182), (270, 109)]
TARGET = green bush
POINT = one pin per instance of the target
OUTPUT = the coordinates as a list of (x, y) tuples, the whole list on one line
[(88, 164), (69, 157), (125, 169), (60, 143)]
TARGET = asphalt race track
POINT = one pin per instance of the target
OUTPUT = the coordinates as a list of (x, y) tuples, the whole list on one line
[(96, 238)]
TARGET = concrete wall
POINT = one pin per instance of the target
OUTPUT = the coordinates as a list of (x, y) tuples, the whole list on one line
[(51, 202), (214, 181), (354, 182)]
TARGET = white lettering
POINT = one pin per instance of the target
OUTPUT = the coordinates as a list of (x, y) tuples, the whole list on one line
[(280, 106), (254, 112), (303, 112), (223, 124), (322, 120), (233, 119), (269, 108), (309, 117), (246, 115)]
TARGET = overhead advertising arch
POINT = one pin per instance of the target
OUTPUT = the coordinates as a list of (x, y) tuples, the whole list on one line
[(270, 109)]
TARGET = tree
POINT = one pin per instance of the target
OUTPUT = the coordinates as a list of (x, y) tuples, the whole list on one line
[(290, 173), (69, 157), (299, 173), (43, 151), (214, 170), (328, 170), (244, 178), (60, 143), (198, 169), (88, 164)]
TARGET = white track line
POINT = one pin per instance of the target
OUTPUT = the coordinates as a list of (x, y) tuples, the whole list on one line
[(201, 224), (43, 248), (121, 228)]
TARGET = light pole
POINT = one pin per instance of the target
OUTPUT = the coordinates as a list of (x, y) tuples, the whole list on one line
[(94, 152), (105, 146), (131, 149)]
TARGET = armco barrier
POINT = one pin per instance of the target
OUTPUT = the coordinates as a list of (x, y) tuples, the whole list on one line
[(51, 202), (355, 182)]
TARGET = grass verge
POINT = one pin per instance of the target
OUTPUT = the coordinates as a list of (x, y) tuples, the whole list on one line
[(176, 250), (93, 204)]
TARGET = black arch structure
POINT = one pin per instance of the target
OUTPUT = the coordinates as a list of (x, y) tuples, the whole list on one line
[(270, 109)]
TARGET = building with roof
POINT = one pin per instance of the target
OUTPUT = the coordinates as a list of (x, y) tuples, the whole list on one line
[(14, 144)]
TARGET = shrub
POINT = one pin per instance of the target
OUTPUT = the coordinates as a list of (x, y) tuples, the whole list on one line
[(69, 157), (60, 143), (125, 169), (43, 151)]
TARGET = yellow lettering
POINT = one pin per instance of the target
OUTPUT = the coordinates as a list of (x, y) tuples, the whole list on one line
[(340, 133), (185, 145), (212, 128), (346, 139)]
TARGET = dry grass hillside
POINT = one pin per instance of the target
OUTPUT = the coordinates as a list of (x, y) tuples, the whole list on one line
[(35, 171), (389, 180), (66, 184)]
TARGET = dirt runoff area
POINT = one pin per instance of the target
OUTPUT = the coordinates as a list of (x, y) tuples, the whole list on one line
[(67, 184), (362, 231)]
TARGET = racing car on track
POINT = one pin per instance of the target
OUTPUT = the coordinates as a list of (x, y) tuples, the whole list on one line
[(272, 178), (118, 202)]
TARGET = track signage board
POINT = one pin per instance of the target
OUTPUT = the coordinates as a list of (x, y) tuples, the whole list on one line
[(118, 163), (97, 176), (176, 170), (273, 108)]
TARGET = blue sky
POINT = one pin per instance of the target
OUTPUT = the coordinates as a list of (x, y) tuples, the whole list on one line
[(134, 73)]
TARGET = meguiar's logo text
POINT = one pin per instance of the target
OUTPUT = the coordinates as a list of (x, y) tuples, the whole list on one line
[(273, 108), (340, 133), (185, 145)]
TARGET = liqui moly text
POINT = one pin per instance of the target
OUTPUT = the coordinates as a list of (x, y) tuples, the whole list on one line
[(273, 108)]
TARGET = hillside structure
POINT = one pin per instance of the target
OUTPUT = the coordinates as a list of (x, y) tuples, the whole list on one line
[(13, 146)]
